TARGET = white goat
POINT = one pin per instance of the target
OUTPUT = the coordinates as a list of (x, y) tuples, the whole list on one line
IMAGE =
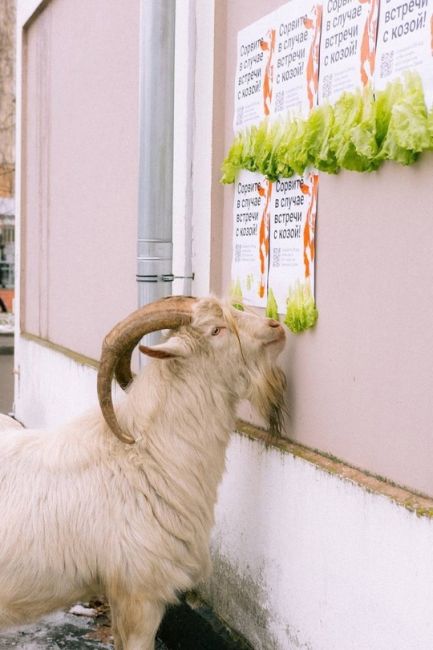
[(83, 512)]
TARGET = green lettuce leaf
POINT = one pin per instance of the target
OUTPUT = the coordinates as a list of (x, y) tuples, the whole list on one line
[(319, 127), (253, 143), (297, 152), (236, 297), (363, 135), (407, 133), (233, 162), (272, 307), (354, 132), (283, 150), (301, 312)]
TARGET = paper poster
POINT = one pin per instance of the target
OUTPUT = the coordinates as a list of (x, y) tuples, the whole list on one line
[(254, 72), (292, 236), (348, 46), (296, 67), (251, 237), (278, 64), (405, 42)]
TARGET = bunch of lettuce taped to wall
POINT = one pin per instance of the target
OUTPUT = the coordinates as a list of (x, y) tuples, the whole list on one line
[(301, 311), (359, 132)]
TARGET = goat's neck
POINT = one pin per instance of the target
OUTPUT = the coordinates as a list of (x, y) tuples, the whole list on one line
[(184, 422), (184, 428), (192, 403)]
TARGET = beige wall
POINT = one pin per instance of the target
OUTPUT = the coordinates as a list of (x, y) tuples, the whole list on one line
[(80, 170), (361, 384)]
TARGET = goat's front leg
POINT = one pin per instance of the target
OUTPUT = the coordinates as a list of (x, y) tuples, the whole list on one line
[(118, 645), (135, 622)]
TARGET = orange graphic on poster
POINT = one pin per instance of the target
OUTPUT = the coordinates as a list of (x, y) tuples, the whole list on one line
[(265, 191), (310, 190), (268, 45), (368, 42), (312, 70)]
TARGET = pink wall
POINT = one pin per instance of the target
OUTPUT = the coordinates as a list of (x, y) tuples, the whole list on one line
[(361, 384), (80, 171)]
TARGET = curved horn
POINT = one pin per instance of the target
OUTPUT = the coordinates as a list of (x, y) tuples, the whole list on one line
[(118, 345), (122, 371)]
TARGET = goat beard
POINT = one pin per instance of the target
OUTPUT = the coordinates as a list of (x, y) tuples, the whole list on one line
[(266, 394)]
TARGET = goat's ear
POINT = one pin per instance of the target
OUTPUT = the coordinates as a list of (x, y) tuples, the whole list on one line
[(171, 349)]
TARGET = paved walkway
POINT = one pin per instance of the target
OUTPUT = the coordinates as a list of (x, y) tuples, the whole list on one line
[(63, 631), (182, 628)]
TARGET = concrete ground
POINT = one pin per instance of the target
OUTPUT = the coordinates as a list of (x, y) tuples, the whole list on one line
[(64, 630), (183, 628), (59, 630)]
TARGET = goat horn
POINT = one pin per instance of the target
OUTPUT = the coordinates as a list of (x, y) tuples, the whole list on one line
[(118, 345)]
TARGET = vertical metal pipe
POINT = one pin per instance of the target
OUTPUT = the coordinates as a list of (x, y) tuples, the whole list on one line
[(185, 68), (155, 204)]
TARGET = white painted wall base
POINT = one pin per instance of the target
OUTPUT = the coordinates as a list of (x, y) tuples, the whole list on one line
[(51, 388), (303, 559)]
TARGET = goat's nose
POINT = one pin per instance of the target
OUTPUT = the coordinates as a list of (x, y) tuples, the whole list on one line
[(273, 323)]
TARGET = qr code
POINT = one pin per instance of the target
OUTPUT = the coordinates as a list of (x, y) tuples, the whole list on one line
[(240, 116), (276, 255), (238, 251), (327, 86), (386, 64), (279, 101)]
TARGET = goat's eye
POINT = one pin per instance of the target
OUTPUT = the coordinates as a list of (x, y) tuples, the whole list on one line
[(216, 331)]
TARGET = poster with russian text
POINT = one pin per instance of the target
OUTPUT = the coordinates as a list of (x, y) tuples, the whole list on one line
[(254, 72), (251, 237), (292, 236), (296, 65), (405, 42), (348, 46)]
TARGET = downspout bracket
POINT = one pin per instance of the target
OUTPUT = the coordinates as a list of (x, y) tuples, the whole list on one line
[(166, 277)]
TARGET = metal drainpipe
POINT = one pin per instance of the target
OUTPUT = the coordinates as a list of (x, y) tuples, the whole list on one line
[(155, 204)]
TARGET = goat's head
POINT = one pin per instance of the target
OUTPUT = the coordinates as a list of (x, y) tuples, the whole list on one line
[(238, 348)]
